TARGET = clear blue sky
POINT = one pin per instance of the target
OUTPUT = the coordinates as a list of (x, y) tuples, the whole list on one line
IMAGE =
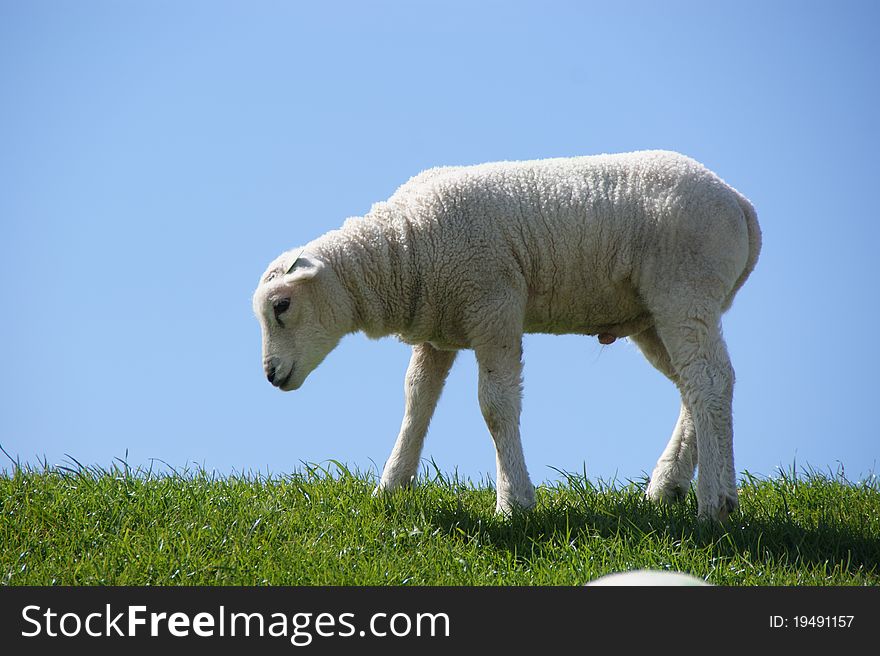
[(155, 156)]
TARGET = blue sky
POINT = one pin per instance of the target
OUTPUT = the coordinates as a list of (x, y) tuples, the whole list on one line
[(155, 156)]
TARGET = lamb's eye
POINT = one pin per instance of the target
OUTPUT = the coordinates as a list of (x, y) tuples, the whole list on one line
[(280, 306)]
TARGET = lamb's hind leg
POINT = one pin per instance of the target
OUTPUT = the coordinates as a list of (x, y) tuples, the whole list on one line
[(672, 475), (699, 356), (425, 376)]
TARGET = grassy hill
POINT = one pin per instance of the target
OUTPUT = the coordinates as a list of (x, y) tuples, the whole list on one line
[(321, 526)]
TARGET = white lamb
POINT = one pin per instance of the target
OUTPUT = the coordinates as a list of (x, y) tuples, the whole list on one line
[(648, 245)]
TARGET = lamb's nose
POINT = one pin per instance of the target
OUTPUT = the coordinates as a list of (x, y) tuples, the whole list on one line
[(271, 374)]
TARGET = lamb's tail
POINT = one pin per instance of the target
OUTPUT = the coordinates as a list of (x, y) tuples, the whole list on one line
[(754, 232)]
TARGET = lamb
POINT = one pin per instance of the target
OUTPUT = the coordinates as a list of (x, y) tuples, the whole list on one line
[(648, 245)]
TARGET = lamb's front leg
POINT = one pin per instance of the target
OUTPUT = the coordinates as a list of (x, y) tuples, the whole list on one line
[(425, 376), (500, 392)]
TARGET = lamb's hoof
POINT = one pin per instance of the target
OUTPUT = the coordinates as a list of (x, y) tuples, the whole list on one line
[(384, 487), (507, 506), (720, 508), (667, 492)]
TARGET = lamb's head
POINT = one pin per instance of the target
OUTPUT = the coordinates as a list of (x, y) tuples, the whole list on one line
[(294, 303)]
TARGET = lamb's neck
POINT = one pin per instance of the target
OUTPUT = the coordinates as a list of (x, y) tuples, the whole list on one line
[(365, 257)]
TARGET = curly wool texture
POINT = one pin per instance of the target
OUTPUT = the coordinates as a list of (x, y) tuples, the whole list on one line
[(579, 243), (650, 245)]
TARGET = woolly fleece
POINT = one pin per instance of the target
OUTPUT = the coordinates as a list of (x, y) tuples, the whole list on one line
[(649, 245)]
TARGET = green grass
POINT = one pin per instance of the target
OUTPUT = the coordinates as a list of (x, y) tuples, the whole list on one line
[(321, 526)]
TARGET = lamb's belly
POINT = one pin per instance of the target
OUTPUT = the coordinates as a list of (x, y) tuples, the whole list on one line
[(619, 317), (626, 328)]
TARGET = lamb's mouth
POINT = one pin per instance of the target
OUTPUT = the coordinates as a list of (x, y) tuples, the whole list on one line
[(281, 383)]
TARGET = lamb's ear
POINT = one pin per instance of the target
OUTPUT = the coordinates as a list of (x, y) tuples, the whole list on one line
[(304, 267)]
